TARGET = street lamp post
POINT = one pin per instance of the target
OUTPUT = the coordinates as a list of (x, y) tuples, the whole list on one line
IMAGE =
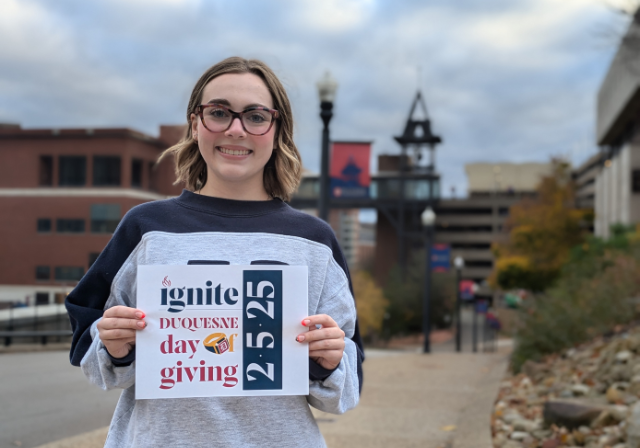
[(459, 264), (327, 87), (428, 218)]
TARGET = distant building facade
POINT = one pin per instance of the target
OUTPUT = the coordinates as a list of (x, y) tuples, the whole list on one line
[(62, 194), (471, 225), (617, 185)]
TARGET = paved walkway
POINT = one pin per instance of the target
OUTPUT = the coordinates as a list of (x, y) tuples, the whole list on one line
[(409, 399)]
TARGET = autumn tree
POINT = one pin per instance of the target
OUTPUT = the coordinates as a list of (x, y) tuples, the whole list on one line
[(370, 302), (542, 231)]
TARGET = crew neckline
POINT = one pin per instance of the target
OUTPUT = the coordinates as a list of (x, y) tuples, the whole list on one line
[(228, 207)]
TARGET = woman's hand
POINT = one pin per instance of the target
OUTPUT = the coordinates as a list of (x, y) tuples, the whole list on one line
[(118, 328), (326, 345)]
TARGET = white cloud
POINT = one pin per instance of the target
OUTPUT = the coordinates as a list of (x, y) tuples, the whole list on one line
[(334, 15)]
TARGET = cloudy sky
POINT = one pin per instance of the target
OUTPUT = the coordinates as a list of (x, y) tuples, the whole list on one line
[(504, 80)]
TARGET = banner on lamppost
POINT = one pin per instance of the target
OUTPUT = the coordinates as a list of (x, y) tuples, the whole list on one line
[(349, 172), (467, 289), (440, 257)]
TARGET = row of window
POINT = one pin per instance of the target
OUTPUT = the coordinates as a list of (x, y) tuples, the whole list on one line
[(64, 273), (72, 171), (104, 219), (61, 273)]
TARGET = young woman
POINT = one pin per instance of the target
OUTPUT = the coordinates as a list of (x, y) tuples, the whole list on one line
[(239, 163)]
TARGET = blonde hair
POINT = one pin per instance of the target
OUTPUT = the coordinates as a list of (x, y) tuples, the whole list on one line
[(283, 170)]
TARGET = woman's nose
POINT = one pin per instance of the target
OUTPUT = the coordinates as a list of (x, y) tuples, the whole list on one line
[(236, 129)]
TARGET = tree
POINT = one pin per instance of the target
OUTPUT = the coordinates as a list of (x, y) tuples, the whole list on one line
[(370, 302), (405, 295), (542, 231)]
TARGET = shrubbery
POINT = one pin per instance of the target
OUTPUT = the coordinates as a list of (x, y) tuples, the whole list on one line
[(596, 290)]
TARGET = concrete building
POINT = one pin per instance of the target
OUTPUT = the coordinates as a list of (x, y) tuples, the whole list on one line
[(471, 225), (584, 177), (617, 185), (62, 194)]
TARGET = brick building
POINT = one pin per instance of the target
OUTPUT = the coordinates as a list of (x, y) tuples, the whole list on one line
[(62, 193)]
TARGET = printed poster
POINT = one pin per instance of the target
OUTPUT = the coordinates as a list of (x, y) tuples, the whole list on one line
[(221, 330)]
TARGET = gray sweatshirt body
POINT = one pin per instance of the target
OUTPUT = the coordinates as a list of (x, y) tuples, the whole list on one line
[(220, 232)]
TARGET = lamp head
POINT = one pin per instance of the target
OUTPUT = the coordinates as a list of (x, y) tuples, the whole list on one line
[(458, 262), (327, 87), (428, 217)]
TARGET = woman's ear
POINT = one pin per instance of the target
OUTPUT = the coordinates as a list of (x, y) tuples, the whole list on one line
[(194, 126)]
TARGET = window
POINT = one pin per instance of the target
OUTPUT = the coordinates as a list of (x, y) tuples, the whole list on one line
[(72, 171), (44, 225), (104, 217), (106, 171), (70, 225), (136, 173), (46, 171), (68, 273), (42, 298), (93, 256), (153, 181), (635, 181), (43, 272)]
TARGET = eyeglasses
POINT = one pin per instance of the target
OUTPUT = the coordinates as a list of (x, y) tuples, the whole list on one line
[(255, 120)]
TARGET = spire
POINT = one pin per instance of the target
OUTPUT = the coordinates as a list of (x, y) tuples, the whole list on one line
[(418, 131)]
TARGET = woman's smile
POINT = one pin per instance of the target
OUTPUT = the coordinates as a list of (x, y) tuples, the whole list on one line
[(235, 151)]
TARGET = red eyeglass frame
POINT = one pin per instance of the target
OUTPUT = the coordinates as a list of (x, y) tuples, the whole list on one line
[(200, 112)]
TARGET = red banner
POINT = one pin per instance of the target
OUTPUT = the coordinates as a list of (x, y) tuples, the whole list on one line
[(349, 171)]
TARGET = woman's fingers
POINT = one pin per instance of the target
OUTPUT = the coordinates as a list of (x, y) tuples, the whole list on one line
[(326, 344), (329, 359), (120, 322), (116, 334), (124, 311), (324, 333), (319, 319)]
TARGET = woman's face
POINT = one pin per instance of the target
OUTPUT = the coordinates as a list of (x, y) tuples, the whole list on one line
[(235, 159)]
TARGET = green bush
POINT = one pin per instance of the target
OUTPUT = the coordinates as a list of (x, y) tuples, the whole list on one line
[(405, 296), (595, 292)]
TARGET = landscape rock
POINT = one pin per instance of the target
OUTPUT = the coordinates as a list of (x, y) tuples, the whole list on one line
[(570, 413), (585, 397)]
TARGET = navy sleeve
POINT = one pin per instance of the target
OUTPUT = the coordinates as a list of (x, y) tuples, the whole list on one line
[(85, 304)]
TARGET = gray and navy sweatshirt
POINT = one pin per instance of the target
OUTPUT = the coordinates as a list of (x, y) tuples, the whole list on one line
[(195, 229)]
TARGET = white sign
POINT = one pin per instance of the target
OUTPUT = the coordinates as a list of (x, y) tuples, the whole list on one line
[(217, 330)]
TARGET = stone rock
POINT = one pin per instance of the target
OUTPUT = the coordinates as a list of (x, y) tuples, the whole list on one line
[(535, 370), (570, 413), (499, 440), (580, 390), (614, 395), (518, 435), (511, 416), (621, 372), (619, 412), (551, 443), (624, 356), (525, 425), (633, 427), (604, 419), (566, 393)]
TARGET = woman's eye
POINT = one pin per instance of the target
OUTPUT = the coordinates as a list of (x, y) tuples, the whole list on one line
[(256, 117), (217, 113)]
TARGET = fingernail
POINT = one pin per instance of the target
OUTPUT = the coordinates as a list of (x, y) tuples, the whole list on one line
[(140, 315), (300, 338), (141, 324), (306, 322)]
